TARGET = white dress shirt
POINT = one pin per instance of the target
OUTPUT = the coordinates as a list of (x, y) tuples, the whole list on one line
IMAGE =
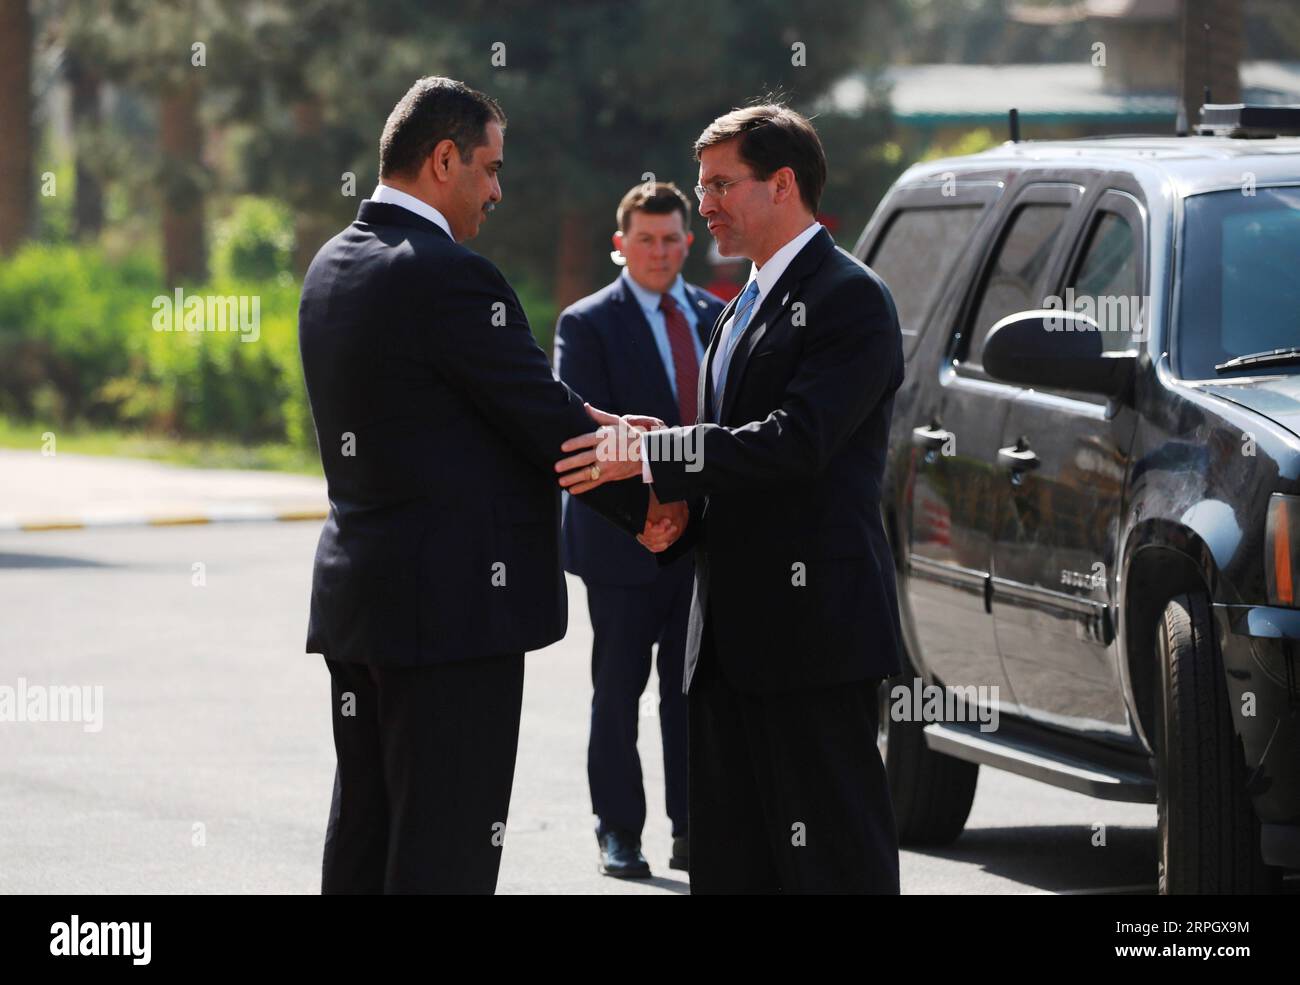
[(649, 302), (391, 196), (767, 276)]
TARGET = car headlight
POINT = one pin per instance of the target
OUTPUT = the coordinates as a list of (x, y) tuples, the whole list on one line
[(1282, 548)]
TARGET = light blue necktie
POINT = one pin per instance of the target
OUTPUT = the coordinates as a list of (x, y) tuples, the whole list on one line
[(739, 321)]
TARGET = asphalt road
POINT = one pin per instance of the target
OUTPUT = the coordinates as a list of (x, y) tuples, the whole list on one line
[(212, 770)]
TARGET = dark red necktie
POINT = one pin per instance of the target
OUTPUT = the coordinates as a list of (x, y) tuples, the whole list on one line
[(684, 362)]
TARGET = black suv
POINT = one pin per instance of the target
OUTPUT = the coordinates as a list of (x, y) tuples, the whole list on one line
[(1093, 491)]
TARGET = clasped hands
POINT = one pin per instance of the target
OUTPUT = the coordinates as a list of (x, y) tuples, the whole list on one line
[(611, 453)]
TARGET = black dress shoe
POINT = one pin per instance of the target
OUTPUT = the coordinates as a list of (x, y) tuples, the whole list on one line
[(681, 855), (620, 856)]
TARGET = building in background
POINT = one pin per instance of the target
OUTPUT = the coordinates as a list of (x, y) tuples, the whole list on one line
[(1130, 78)]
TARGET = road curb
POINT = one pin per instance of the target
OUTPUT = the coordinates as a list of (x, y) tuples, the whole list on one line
[(239, 513)]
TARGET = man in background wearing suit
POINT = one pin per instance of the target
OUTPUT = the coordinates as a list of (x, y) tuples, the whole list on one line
[(438, 418), (636, 343), (794, 620)]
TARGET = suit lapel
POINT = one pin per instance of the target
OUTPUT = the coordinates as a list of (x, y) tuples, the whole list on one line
[(783, 293), (704, 402), (703, 328)]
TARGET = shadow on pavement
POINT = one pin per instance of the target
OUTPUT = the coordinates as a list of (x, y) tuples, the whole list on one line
[(1058, 858), (672, 885), (1063, 859), (11, 560)]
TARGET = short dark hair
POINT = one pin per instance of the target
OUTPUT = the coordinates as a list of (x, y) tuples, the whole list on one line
[(657, 198), (772, 137), (433, 110)]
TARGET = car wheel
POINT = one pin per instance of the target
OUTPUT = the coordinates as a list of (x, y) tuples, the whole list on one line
[(1207, 831), (932, 793)]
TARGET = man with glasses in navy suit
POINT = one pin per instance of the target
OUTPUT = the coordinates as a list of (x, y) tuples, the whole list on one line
[(794, 621)]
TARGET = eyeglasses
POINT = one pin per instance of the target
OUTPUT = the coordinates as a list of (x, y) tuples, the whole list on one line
[(718, 189)]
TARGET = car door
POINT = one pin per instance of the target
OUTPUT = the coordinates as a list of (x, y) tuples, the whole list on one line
[(956, 429), (1063, 460)]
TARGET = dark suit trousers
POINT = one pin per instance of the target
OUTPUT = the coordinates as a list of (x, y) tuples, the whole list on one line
[(426, 762), (788, 791), (626, 622)]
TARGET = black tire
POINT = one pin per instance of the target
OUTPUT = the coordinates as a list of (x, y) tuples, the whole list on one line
[(1208, 834), (932, 793)]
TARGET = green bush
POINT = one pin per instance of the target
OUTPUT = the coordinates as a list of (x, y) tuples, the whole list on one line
[(255, 242), (79, 343), (69, 320), (215, 383)]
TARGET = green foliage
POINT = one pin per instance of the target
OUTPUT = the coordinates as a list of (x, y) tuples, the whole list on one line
[(54, 211), (597, 95), (971, 142), (120, 442), (255, 242), (79, 345), (540, 308), (68, 321)]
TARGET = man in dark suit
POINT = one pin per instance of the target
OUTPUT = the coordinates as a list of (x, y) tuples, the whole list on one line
[(438, 418), (794, 620), (636, 343)]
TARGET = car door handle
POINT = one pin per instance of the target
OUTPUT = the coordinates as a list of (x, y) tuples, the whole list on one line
[(931, 436), (1018, 458)]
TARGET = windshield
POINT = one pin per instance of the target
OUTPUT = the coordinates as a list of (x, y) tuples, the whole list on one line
[(1240, 281)]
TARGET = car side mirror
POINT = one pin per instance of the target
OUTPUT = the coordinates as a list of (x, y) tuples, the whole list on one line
[(1055, 349)]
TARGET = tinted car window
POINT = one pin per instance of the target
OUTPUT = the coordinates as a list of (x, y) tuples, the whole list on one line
[(1015, 280), (1106, 283), (1239, 292), (915, 257)]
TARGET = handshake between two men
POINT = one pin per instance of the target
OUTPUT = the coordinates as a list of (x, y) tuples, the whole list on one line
[(612, 453), (779, 674)]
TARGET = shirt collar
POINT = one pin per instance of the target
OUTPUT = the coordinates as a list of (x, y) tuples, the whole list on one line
[(771, 272), (649, 300), (391, 196)]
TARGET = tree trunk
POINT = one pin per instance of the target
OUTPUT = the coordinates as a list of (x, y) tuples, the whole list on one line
[(88, 207), (15, 124), (184, 248), (1211, 57), (574, 259), (311, 227)]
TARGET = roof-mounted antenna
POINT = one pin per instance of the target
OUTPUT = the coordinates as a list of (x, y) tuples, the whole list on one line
[(1014, 121), (1205, 72)]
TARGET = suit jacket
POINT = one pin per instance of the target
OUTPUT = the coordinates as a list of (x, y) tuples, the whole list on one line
[(605, 350), (794, 577), (439, 422)]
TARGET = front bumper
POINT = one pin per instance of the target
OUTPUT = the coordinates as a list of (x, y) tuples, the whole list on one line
[(1261, 658)]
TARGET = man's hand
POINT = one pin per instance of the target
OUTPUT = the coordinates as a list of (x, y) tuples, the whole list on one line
[(640, 421), (663, 524), (608, 454)]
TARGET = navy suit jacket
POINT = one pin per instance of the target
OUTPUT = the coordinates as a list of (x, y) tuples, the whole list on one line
[(439, 421), (605, 350), (794, 578)]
